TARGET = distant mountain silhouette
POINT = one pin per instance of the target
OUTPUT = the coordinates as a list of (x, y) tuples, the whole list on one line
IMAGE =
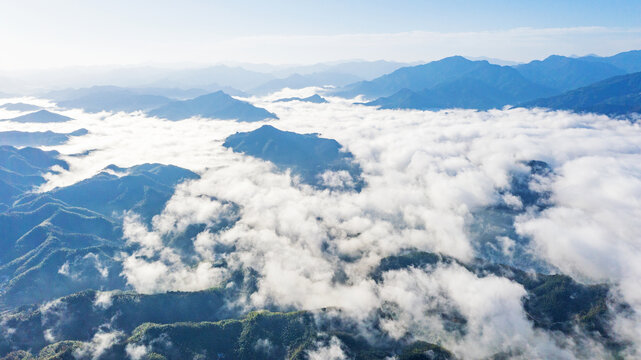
[(20, 107), (317, 99), (307, 155), (365, 70), (620, 95), (217, 105), (297, 81), (462, 83), (106, 98), (629, 61), (37, 138), (509, 82), (463, 93), (42, 116), (563, 73)]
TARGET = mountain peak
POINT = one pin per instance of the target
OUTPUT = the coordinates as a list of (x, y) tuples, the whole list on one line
[(216, 105), (41, 116)]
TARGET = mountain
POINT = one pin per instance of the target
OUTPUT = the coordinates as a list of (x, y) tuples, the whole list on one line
[(493, 60), (37, 138), (553, 302), (107, 98), (316, 99), (217, 105), (70, 239), (20, 107), (137, 77), (629, 61), (142, 188), (22, 169), (42, 116), (505, 79), (209, 78), (318, 161), (463, 93), (175, 324), (297, 81), (563, 73), (366, 70), (620, 95)]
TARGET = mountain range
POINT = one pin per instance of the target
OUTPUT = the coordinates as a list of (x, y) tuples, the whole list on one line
[(316, 99), (217, 105), (615, 96), (298, 81), (68, 239), (61, 286), (64, 293), (456, 82), (106, 98), (427, 76)]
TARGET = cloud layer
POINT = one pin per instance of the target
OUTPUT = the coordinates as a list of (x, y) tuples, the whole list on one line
[(426, 173)]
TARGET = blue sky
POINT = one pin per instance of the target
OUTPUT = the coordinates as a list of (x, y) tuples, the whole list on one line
[(200, 32)]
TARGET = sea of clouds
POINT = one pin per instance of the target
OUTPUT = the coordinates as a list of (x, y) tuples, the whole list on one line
[(427, 173)]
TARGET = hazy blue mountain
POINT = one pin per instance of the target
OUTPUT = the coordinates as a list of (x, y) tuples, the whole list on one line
[(42, 116), (297, 81), (365, 70), (22, 169), (20, 107), (427, 76), (107, 98), (37, 138), (186, 94), (172, 92), (139, 77), (217, 105), (217, 77), (563, 73), (307, 155), (629, 61), (463, 93), (494, 61), (142, 188), (620, 95), (316, 99)]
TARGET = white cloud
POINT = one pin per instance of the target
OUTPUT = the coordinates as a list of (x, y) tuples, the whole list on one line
[(426, 172), (99, 344), (136, 352), (330, 351), (103, 299)]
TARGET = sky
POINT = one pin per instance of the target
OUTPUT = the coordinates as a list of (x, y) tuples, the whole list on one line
[(46, 34)]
